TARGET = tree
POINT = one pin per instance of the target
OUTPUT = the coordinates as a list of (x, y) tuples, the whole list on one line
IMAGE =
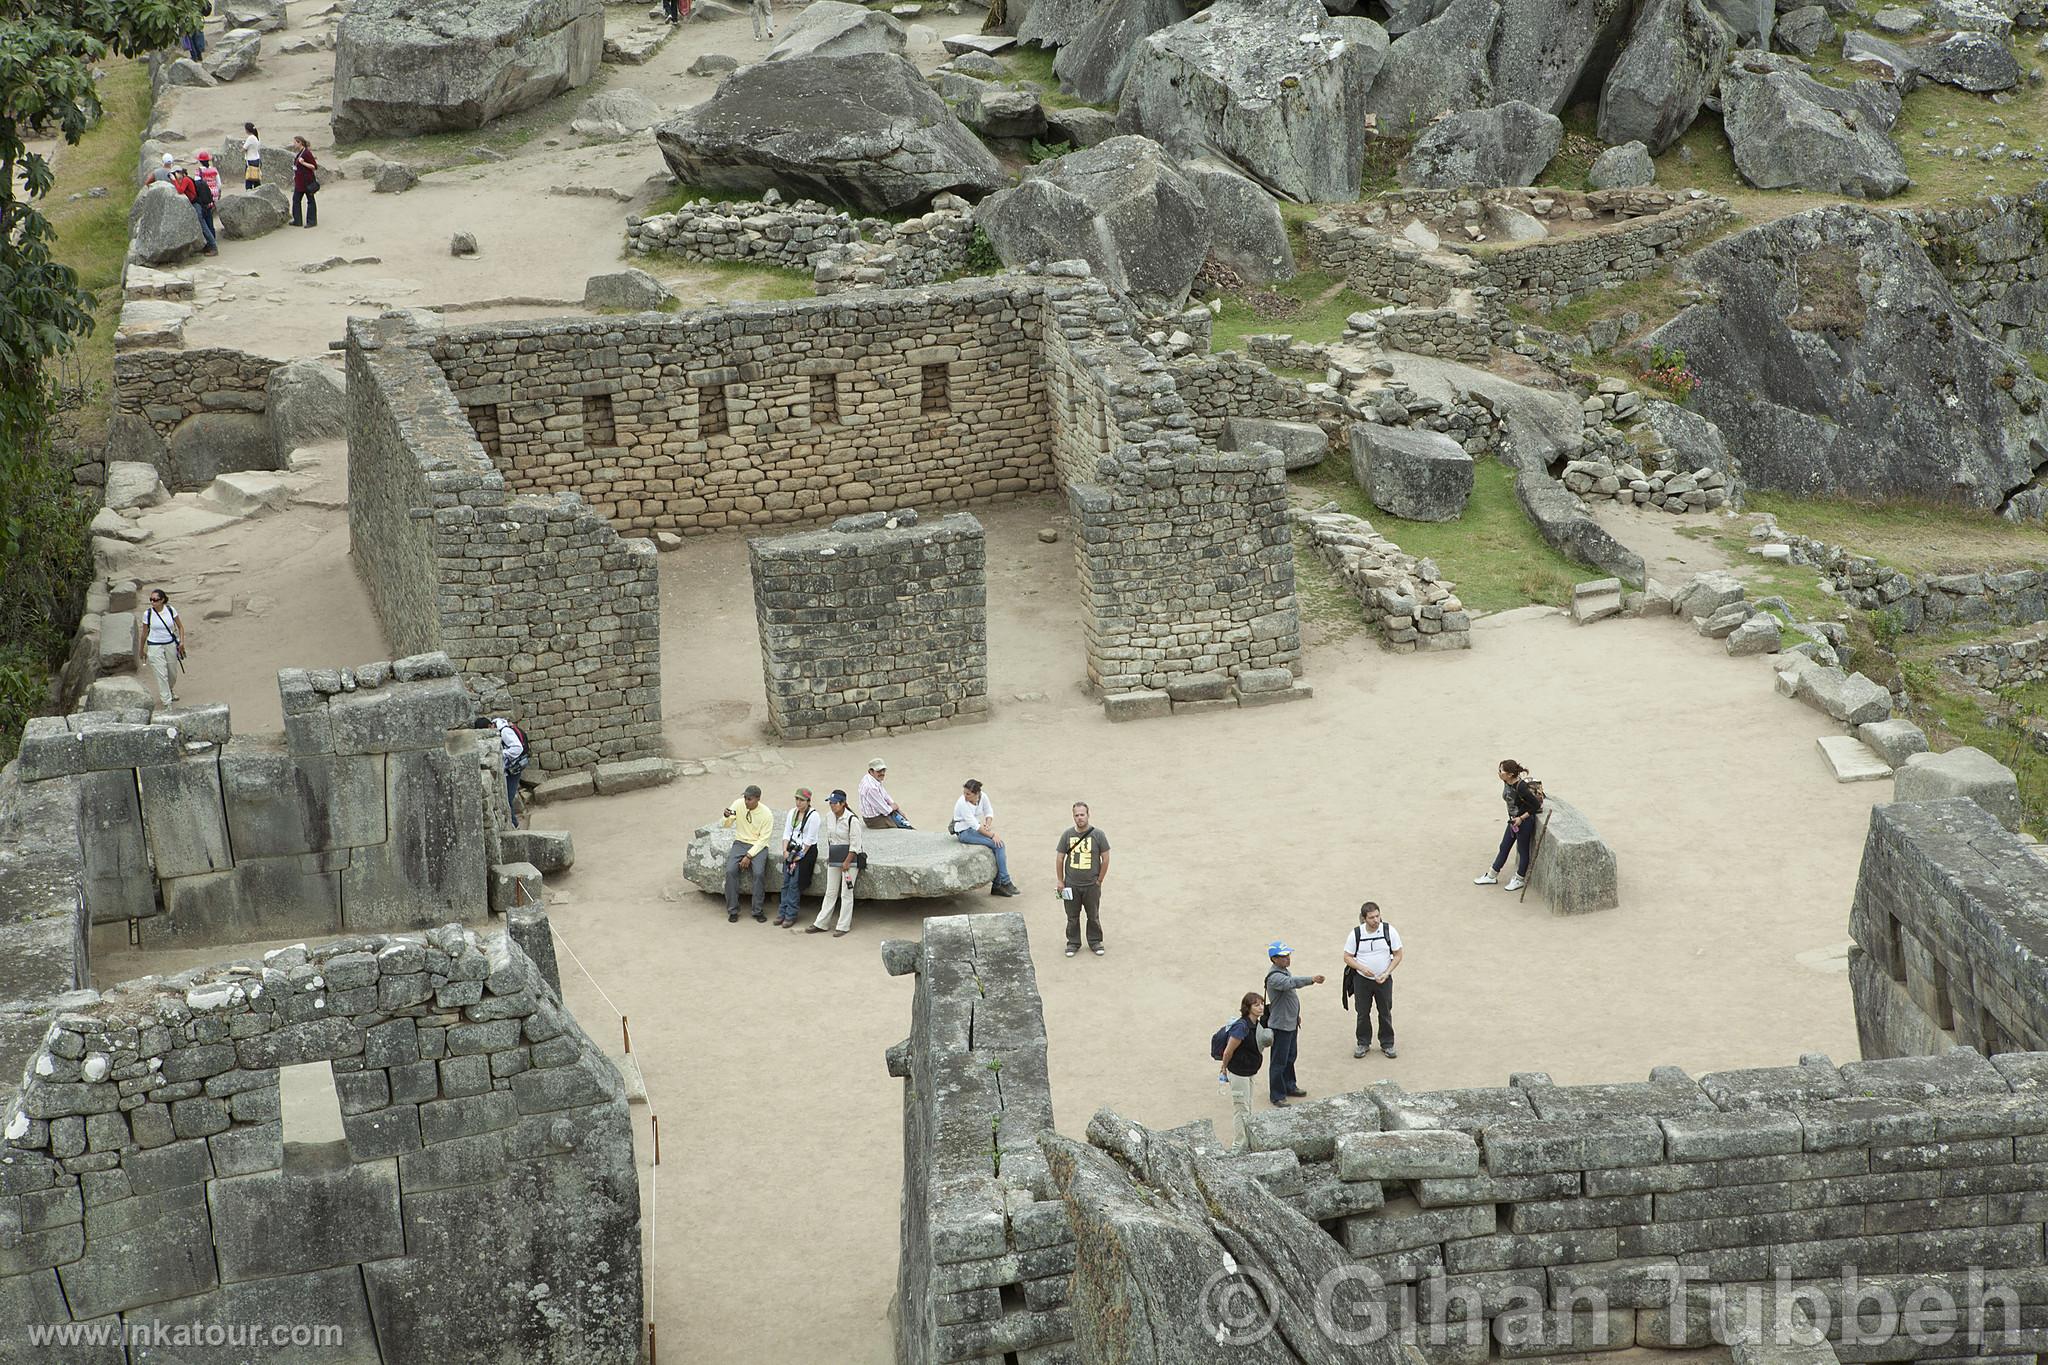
[(47, 52)]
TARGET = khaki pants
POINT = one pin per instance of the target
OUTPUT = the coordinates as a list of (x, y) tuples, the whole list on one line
[(839, 892), (163, 662), (1241, 1111), (764, 20)]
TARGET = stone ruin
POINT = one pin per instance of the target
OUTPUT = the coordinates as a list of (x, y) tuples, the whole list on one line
[(527, 453), (879, 623), (1530, 1219)]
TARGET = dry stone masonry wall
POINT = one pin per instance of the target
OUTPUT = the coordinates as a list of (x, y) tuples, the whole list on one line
[(482, 1205), (1925, 602), (1525, 1220), (1404, 599), (840, 251), (2002, 663), (165, 386), (1994, 255), (536, 595), (879, 623)]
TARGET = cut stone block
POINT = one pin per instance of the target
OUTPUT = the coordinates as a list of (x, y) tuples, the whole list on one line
[(320, 1212), (257, 898), (1573, 868), (183, 815), (548, 850), (170, 1257), (1416, 475), (431, 870), (632, 775), (1964, 772), (515, 884), (333, 1298), (1850, 698), (1141, 705), (1851, 760), (1596, 600), (1302, 445), (1893, 740), (399, 716), (118, 882), (280, 804)]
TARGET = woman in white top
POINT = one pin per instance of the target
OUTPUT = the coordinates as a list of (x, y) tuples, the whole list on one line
[(801, 829), (974, 822), (163, 643), (252, 157)]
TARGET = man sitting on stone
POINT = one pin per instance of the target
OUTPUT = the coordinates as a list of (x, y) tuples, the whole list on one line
[(752, 825), (878, 809)]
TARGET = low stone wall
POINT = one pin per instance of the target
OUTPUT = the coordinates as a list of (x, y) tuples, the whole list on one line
[(1946, 921), (1219, 387), (986, 1250), (793, 235), (1699, 490), (1404, 600), (2002, 663), (164, 387), (879, 623), (2015, 597), (537, 597), (916, 251), (377, 809), (1994, 255), (154, 1177), (1641, 231), (1447, 332)]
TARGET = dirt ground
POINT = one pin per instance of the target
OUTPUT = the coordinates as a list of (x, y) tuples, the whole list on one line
[(762, 1050)]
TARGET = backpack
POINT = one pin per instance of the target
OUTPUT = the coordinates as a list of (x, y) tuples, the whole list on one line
[(1535, 790), (524, 747), (1220, 1040), (202, 194)]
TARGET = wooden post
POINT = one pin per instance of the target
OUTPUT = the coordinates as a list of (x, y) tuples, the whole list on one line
[(626, 1033), (655, 1119)]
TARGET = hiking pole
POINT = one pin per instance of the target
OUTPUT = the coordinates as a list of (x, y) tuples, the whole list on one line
[(1535, 847)]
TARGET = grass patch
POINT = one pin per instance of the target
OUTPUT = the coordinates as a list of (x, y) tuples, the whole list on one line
[(683, 193), (1913, 537), (92, 238), (1652, 298), (733, 281), (1493, 553), (1578, 151), (1034, 64), (1327, 606), (2037, 361), (1953, 719), (1383, 158), (1325, 301)]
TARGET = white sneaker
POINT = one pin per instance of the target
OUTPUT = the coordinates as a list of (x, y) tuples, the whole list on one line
[(1514, 884), (1485, 879)]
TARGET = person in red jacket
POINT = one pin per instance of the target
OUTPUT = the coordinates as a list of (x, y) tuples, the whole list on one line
[(305, 184), (201, 199)]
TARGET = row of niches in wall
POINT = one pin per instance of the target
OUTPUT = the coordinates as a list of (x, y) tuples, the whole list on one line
[(1920, 971), (827, 401)]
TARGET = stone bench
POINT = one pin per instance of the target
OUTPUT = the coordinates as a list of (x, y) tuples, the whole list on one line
[(1573, 869), (903, 864)]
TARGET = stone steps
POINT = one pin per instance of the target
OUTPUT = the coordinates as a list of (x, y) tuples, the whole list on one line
[(1851, 760), (1596, 600)]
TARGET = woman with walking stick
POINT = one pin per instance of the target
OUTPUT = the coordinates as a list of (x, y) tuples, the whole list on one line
[(1524, 800)]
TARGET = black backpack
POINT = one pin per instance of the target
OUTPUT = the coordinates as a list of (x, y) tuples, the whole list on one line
[(1220, 1040), (202, 195)]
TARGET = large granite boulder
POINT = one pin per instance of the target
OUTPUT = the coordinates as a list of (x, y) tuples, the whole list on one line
[(233, 54), (209, 444), (1804, 30), (631, 290), (1276, 88), (1836, 362), (863, 130), (833, 28), (403, 66), (1543, 47), (1444, 65), (306, 401), (1415, 474), (1562, 520), (1789, 131), (1123, 206), (1964, 772), (1506, 144), (1883, 59), (162, 228), (1246, 231), (1623, 167), (615, 114), (1052, 23), (243, 215), (903, 864), (1573, 870), (1978, 62), (1673, 57), (1093, 67)]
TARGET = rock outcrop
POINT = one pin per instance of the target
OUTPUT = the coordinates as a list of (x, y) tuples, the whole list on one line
[(1276, 88), (1095, 64), (1835, 361), (162, 228), (863, 130), (1123, 206), (1789, 131), (1674, 55), (1506, 144), (404, 67), (1246, 231), (1544, 47), (1441, 66), (833, 28)]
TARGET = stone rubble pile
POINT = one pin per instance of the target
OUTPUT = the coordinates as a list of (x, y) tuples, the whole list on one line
[(1701, 490), (1404, 598)]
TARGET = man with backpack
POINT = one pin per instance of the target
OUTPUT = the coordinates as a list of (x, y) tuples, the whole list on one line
[(513, 750), (201, 199), (1371, 952), (1283, 1017)]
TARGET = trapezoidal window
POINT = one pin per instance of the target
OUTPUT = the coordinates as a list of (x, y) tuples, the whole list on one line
[(711, 418), (934, 390), (598, 427), (483, 420), (824, 399)]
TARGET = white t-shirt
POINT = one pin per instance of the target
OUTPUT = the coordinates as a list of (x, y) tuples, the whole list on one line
[(160, 624), (966, 817), (252, 150), (1374, 949)]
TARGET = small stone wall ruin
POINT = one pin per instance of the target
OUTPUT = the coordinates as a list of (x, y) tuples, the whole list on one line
[(2001, 663), (151, 1175), (840, 252), (1525, 1220), (879, 623), (537, 595), (1404, 599), (1994, 255), (1926, 602), (164, 386)]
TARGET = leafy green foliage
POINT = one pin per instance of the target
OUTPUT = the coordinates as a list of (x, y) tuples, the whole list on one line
[(1042, 152), (981, 255)]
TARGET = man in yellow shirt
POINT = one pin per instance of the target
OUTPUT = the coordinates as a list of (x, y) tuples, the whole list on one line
[(752, 825)]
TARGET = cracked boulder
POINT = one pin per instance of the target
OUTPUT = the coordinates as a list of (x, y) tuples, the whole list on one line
[(1442, 66), (1673, 57), (1836, 362), (1543, 48), (863, 130), (1094, 66), (1789, 131), (833, 28), (404, 67), (1276, 88)]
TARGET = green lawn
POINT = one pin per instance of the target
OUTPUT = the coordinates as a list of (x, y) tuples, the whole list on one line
[(727, 280), (1957, 720), (1492, 553), (1326, 301)]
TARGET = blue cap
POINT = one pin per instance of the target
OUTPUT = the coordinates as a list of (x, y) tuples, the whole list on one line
[(1279, 948), (837, 796)]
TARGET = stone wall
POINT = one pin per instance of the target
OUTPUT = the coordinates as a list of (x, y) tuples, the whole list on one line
[(2004, 597), (537, 597), (1950, 909), (790, 235), (164, 386), (1633, 234), (2002, 663), (1403, 598), (482, 1204), (880, 623), (1994, 255), (765, 414), (1218, 387), (986, 1250), (1524, 1220), (377, 810)]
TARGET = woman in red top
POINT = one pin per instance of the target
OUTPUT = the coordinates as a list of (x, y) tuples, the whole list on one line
[(305, 183)]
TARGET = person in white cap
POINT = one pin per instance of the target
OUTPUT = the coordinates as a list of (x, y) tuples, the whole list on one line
[(878, 809), (165, 172), (1283, 1016)]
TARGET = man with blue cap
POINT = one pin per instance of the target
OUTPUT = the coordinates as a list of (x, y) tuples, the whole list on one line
[(1283, 1016)]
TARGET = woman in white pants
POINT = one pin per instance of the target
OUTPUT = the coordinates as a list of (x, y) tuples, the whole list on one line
[(764, 21), (842, 840), (163, 643)]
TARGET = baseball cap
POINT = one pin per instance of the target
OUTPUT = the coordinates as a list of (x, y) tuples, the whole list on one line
[(803, 793), (170, 160), (837, 797), (878, 765), (1279, 948)]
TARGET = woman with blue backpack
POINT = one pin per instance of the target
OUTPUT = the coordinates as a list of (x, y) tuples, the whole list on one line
[(1237, 1046)]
